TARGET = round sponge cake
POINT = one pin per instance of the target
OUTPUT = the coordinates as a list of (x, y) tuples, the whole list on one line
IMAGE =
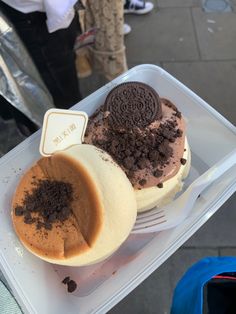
[(147, 136), (103, 207)]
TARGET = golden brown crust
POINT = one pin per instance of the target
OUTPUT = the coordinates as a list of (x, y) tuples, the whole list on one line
[(80, 231)]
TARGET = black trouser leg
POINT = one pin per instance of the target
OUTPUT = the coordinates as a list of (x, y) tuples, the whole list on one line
[(52, 53), (7, 111)]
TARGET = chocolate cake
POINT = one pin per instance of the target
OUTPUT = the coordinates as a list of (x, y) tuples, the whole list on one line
[(143, 133)]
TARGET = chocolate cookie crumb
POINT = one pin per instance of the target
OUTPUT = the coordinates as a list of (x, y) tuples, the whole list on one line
[(183, 161), (179, 133), (66, 280), (49, 201), (129, 162), (153, 155), (19, 211), (137, 149), (160, 185), (178, 114), (142, 182), (29, 220), (158, 173), (142, 163), (71, 286)]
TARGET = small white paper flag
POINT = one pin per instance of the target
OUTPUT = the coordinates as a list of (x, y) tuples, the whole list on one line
[(62, 129)]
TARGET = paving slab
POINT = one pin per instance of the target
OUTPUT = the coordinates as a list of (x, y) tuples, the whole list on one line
[(213, 81), (91, 83), (133, 64), (216, 33), (233, 2), (154, 295), (163, 35), (219, 230), (227, 252), (184, 258), (177, 3)]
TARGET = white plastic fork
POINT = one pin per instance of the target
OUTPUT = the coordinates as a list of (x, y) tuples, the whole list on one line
[(173, 214)]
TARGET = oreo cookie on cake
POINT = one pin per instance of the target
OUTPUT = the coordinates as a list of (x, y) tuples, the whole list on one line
[(132, 105), (146, 136)]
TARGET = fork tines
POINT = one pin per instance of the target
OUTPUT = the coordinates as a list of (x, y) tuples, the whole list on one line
[(150, 218)]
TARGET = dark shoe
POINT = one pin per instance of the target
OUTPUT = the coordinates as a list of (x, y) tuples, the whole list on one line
[(138, 6)]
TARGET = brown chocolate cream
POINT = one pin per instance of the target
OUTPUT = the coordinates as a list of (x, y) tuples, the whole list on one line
[(149, 151), (56, 209)]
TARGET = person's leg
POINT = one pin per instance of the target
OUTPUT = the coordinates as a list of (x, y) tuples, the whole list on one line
[(24, 125), (52, 53), (5, 112)]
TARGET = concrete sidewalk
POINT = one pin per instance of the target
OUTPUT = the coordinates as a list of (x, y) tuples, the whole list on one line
[(199, 49)]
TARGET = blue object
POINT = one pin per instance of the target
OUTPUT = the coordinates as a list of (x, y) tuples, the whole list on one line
[(188, 294)]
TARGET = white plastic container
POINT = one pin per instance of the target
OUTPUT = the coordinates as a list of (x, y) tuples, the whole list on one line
[(37, 284)]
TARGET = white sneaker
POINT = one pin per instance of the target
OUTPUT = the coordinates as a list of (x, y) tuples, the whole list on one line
[(137, 6), (126, 29)]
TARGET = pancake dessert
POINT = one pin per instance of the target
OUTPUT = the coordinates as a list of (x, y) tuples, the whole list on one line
[(146, 136), (74, 208)]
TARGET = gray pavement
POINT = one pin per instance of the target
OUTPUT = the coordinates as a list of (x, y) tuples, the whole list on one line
[(199, 49)]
